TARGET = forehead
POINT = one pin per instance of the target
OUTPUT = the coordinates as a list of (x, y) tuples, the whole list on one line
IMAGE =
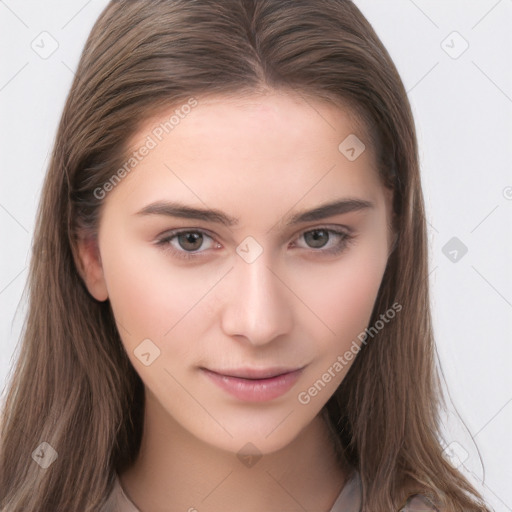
[(281, 146), (264, 125)]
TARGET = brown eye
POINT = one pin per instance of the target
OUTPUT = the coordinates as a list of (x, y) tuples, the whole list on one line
[(326, 241), (187, 244), (317, 238), (190, 241)]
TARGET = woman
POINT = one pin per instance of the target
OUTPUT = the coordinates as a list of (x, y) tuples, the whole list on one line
[(229, 294)]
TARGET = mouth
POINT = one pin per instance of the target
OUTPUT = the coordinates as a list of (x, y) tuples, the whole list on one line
[(254, 385)]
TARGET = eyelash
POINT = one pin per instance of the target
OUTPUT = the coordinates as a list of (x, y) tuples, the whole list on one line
[(164, 242)]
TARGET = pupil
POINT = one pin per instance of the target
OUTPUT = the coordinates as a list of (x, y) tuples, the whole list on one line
[(191, 238), (317, 239)]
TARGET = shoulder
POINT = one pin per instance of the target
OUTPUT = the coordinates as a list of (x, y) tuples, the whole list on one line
[(419, 503), (118, 500), (114, 498), (350, 498)]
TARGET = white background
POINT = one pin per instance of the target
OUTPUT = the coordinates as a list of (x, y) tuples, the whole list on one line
[(463, 111)]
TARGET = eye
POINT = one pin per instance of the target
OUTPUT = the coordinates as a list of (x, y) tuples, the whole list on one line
[(327, 240), (186, 243)]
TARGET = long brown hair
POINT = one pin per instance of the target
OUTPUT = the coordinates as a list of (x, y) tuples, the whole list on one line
[(73, 386)]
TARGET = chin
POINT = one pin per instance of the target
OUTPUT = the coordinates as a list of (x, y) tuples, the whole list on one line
[(261, 436)]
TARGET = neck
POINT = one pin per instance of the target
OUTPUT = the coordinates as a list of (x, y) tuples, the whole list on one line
[(175, 470)]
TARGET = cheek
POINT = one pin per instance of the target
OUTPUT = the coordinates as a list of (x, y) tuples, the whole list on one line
[(148, 296), (145, 307), (342, 296), (344, 303), (161, 303), (359, 285)]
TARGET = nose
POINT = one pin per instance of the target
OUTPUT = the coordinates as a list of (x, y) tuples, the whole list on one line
[(259, 305)]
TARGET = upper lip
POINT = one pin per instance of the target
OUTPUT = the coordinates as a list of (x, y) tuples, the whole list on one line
[(255, 373)]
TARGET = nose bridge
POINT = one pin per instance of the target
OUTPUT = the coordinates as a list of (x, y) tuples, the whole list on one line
[(258, 307)]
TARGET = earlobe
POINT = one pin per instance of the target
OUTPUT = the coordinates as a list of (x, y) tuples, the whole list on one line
[(90, 267)]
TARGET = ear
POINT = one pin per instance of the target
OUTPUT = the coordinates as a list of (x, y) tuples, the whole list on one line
[(90, 267)]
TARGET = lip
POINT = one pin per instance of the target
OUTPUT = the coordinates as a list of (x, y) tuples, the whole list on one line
[(255, 385)]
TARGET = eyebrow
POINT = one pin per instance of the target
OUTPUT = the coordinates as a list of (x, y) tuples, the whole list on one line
[(176, 209)]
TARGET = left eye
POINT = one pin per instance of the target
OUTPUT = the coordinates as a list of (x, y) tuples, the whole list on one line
[(186, 244), (319, 238)]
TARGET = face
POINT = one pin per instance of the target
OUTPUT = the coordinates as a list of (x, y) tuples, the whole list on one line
[(240, 314)]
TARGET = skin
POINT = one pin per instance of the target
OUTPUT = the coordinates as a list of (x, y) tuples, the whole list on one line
[(259, 159)]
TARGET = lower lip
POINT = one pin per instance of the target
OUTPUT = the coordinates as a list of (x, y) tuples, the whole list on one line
[(261, 390)]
